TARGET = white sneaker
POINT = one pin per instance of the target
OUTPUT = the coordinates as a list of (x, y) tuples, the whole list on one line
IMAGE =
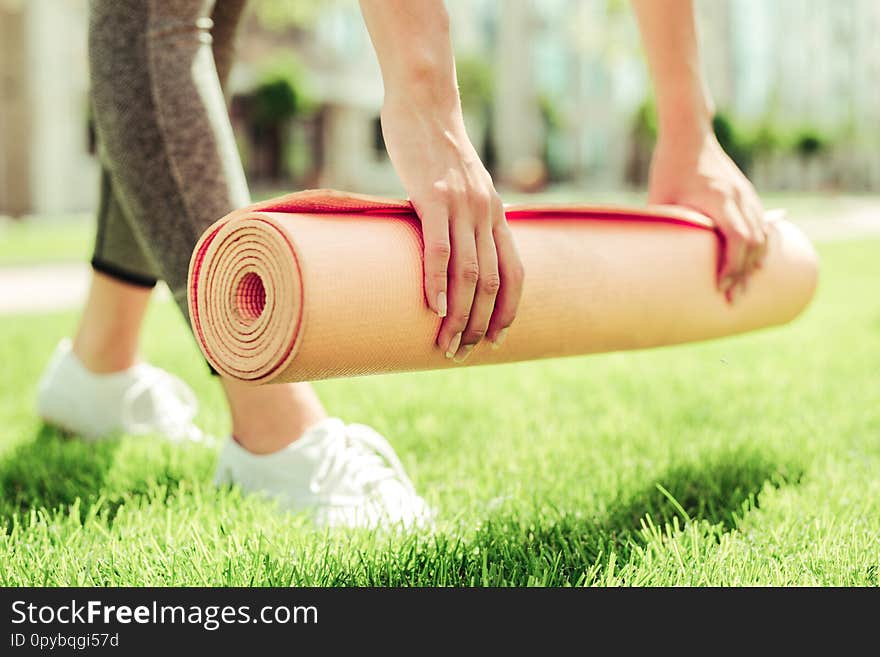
[(345, 475), (140, 400)]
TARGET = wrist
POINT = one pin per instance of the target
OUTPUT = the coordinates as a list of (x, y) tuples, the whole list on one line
[(423, 70), (685, 114), (422, 85)]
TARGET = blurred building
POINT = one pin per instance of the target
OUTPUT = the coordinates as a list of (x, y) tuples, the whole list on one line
[(45, 163), (343, 81), (808, 64), (565, 79)]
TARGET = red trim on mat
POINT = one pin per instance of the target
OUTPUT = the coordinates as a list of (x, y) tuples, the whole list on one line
[(328, 201)]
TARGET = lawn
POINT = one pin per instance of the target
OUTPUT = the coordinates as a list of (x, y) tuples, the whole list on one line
[(750, 460), (56, 239)]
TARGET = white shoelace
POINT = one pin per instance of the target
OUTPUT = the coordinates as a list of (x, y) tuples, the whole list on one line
[(360, 455), (173, 403)]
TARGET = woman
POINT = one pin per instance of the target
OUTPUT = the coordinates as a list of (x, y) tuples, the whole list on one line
[(171, 168)]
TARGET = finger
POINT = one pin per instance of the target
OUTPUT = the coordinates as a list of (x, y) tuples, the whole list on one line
[(751, 241), (764, 233), (511, 270), (754, 210), (484, 298), (765, 228), (464, 271), (435, 235), (757, 262), (755, 239), (734, 231)]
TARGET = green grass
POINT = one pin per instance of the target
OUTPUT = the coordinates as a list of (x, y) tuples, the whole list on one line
[(59, 239), (751, 460)]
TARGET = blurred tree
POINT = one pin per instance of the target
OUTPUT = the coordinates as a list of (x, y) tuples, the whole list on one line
[(643, 135), (554, 132), (476, 84), (274, 101), (733, 141), (278, 98), (286, 14), (767, 139), (809, 143), (645, 121)]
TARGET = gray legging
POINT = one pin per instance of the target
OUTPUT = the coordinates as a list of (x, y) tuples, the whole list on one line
[(170, 164)]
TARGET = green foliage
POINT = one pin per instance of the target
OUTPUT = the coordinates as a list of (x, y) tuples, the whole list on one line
[(734, 141), (767, 139), (810, 143), (644, 122), (616, 8), (280, 94), (476, 82), (554, 138), (274, 101), (286, 14), (62, 239), (740, 141), (548, 106)]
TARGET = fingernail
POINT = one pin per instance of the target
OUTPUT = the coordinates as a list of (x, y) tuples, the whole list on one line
[(453, 345), (463, 353), (441, 304), (726, 283), (499, 339)]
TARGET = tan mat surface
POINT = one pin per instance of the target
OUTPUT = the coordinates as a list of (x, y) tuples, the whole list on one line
[(323, 284)]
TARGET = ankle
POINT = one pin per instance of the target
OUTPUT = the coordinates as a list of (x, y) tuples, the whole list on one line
[(268, 418), (104, 356), (107, 338), (271, 439)]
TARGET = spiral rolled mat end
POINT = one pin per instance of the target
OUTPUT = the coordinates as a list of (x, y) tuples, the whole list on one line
[(240, 271)]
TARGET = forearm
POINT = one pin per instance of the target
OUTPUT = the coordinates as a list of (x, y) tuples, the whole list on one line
[(669, 36), (412, 42)]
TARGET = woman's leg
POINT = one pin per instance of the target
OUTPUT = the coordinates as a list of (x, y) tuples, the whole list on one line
[(108, 335), (166, 141), (260, 416), (123, 276)]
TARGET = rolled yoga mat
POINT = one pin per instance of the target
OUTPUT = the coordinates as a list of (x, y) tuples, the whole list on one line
[(322, 284)]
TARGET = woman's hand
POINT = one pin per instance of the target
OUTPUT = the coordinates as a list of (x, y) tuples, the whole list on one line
[(473, 274), (694, 171), (689, 167)]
